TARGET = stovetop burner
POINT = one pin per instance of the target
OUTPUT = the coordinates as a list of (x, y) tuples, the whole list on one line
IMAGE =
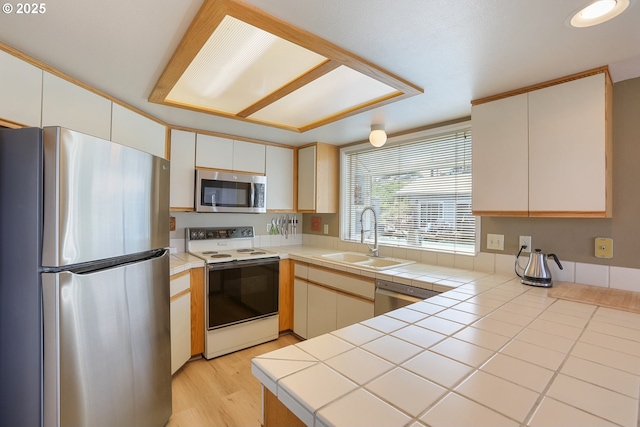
[(224, 244)]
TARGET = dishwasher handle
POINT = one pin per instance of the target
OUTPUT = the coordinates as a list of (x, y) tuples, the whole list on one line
[(396, 295), (405, 290)]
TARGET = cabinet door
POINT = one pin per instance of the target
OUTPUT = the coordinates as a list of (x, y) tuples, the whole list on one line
[(180, 331), (183, 152), (70, 106), (500, 157), (280, 179), (21, 89), (214, 152), (307, 179), (300, 307), (567, 148), (352, 310), (137, 131), (248, 157), (179, 286), (322, 307)]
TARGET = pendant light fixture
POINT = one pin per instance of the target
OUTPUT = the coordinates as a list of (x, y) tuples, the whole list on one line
[(378, 136)]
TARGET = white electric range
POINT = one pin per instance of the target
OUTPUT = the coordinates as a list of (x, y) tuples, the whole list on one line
[(241, 288), (224, 244)]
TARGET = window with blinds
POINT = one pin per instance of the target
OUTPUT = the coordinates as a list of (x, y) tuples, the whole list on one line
[(420, 190)]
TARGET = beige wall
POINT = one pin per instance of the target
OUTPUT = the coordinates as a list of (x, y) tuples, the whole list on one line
[(332, 219), (573, 239)]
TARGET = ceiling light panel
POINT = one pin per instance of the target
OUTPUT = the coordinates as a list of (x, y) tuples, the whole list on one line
[(336, 92), (239, 65), (236, 61)]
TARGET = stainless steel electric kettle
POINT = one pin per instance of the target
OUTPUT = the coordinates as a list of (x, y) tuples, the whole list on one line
[(537, 272)]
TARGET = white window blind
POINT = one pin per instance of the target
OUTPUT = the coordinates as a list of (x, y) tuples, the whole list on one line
[(419, 189)]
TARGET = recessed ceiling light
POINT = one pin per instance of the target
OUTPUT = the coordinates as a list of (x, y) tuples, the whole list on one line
[(597, 12)]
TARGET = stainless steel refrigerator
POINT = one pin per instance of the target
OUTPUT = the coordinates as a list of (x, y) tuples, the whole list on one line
[(84, 282)]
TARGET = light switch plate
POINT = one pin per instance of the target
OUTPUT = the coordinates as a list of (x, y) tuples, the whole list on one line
[(604, 247), (495, 242)]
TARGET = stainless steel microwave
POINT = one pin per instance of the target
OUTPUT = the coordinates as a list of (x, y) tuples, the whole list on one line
[(230, 192)]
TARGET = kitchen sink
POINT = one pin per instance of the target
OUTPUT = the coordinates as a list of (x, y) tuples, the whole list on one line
[(347, 257), (363, 261)]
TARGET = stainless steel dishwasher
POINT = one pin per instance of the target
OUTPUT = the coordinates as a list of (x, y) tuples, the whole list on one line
[(391, 295)]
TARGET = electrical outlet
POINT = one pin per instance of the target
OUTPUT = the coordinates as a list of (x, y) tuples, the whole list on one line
[(604, 247), (525, 241), (326, 229), (268, 228), (495, 242)]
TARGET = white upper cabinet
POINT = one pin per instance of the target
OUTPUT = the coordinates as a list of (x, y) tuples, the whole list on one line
[(68, 105), (183, 153), (280, 178), (546, 152), (21, 91), (318, 178), (568, 148), (223, 153), (500, 156), (307, 179), (248, 157), (214, 152), (137, 131)]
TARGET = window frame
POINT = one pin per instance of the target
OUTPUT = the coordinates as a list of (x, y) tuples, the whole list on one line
[(407, 138)]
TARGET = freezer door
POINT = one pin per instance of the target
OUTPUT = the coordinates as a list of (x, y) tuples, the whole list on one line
[(101, 199), (107, 359)]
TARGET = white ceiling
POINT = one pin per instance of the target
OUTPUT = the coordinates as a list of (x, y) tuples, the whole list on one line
[(456, 51)]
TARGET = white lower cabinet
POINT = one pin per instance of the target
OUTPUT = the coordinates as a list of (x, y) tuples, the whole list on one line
[(321, 311), (325, 300), (352, 310), (180, 285)]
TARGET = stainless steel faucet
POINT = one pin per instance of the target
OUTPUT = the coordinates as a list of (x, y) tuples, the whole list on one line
[(373, 250)]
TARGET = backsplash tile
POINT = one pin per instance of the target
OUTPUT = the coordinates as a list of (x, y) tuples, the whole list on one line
[(567, 274), (484, 262), (446, 260), (464, 262), (592, 274), (505, 264), (627, 279)]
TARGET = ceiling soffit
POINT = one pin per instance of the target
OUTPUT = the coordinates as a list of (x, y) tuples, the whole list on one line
[(237, 61)]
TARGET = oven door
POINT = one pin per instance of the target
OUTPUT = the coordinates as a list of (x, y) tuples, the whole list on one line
[(240, 291)]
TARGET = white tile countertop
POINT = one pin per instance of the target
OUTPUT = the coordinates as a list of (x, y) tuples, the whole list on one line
[(183, 261), (491, 352)]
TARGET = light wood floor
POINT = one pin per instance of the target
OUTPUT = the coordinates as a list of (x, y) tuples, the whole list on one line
[(221, 391)]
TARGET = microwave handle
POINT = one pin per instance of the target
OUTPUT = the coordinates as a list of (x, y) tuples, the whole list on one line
[(252, 196)]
